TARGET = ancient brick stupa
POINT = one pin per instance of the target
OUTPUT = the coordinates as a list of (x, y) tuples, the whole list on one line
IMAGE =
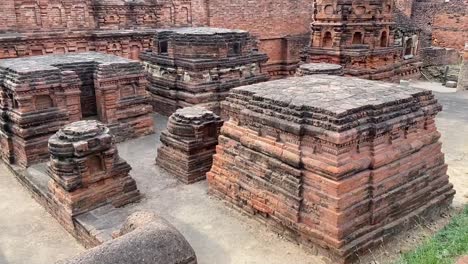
[(39, 95), (360, 35), (337, 163), (198, 66), (189, 143), (86, 171)]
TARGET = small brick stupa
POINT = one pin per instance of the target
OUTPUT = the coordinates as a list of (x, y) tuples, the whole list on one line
[(199, 65), (337, 163), (86, 171), (189, 143)]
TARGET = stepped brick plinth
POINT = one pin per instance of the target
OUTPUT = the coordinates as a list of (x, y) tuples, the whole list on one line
[(336, 163), (39, 95), (86, 171), (198, 66), (189, 143), (319, 68)]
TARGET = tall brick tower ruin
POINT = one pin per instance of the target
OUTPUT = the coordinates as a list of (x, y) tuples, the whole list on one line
[(360, 36)]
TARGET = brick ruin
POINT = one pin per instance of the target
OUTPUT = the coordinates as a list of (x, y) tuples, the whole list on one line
[(189, 143), (120, 27), (86, 172), (198, 66), (41, 94), (337, 163), (361, 37)]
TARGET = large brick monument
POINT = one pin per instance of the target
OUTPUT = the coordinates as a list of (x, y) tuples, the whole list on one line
[(198, 66), (337, 163)]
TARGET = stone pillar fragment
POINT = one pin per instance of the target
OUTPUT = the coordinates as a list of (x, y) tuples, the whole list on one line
[(189, 143), (86, 171)]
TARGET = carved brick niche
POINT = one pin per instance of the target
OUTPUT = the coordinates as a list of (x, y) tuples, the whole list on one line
[(86, 171), (198, 66), (39, 95)]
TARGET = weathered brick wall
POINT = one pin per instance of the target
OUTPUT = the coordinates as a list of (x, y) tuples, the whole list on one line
[(125, 44), (450, 29), (265, 18), (8, 16), (442, 23), (405, 6), (271, 21), (48, 14), (435, 56)]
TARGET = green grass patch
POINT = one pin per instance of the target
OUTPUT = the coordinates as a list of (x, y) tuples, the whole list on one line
[(445, 247)]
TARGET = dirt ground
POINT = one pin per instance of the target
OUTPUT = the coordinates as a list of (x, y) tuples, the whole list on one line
[(218, 234)]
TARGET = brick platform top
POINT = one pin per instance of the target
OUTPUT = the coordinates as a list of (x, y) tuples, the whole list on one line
[(320, 67), (81, 130), (332, 102), (194, 115), (48, 62), (80, 138)]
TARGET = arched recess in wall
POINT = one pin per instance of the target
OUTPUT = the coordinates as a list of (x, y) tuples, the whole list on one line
[(127, 90), (79, 15), (388, 9), (29, 16), (55, 16), (328, 10), (357, 38), (95, 164), (360, 10), (409, 46), (383, 39), (14, 103), (135, 52), (327, 41), (43, 102), (183, 16)]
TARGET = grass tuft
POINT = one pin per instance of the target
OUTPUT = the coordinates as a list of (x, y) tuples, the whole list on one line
[(445, 247)]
